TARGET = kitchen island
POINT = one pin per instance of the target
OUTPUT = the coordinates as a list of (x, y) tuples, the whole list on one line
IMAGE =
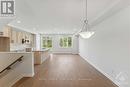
[(41, 55)]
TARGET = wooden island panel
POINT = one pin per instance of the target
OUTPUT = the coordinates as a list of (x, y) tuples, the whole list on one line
[(41, 56)]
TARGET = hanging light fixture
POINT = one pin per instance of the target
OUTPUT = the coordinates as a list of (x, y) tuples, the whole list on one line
[(85, 32)]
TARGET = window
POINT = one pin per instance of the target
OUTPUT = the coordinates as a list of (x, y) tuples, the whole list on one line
[(66, 42), (46, 42)]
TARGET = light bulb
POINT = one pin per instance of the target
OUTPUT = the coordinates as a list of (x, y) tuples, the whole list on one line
[(86, 34)]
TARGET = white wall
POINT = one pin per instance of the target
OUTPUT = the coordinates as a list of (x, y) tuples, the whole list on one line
[(3, 22), (38, 42), (56, 47), (109, 49)]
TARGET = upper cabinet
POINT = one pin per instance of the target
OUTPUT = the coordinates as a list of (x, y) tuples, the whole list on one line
[(19, 37), (8, 32), (14, 37)]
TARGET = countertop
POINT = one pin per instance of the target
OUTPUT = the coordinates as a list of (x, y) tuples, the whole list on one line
[(42, 50)]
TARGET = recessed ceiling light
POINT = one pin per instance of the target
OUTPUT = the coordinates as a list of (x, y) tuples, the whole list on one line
[(18, 21)]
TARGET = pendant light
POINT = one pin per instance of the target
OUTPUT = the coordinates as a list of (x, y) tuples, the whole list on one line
[(85, 32)]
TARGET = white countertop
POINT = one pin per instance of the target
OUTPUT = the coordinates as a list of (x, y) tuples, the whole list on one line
[(46, 49)]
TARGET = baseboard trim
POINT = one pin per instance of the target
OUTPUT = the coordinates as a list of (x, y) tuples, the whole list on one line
[(29, 75), (101, 71)]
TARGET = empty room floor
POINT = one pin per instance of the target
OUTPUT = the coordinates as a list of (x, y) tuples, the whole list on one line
[(65, 71)]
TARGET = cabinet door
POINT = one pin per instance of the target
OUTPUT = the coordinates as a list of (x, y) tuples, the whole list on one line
[(8, 32), (19, 39), (22, 35), (14, 39), (4, 44)]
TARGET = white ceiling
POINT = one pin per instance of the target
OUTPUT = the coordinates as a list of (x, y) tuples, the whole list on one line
[(57, 16), (3, 22)]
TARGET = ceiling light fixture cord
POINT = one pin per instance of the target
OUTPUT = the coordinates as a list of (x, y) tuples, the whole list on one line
[(86, 10), (86, 33), (86, 17), (86, 14)]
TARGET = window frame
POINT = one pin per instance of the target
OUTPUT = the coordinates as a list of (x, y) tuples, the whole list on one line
[(67, 41), (50, 38)]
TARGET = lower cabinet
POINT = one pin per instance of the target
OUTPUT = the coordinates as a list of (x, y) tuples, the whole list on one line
[(4, 44)]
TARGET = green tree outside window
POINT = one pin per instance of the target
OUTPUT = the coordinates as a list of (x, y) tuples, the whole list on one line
[(46, 42), (66, 42)]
